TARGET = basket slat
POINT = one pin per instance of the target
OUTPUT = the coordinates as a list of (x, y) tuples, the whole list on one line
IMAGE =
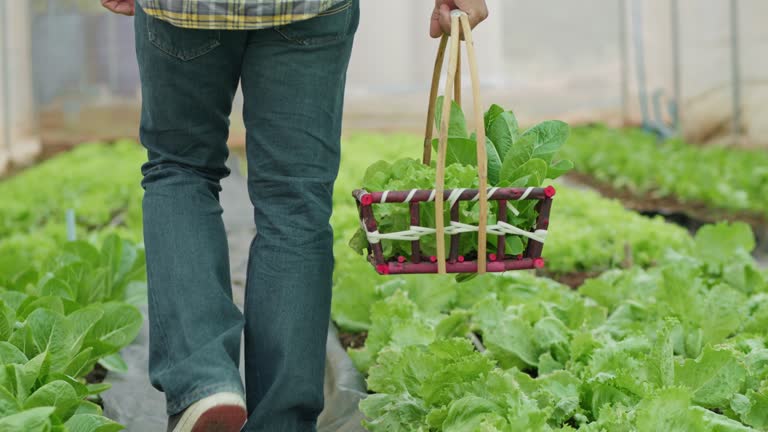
[(502, 241), (416, 244), (394, 267), (369, 221), (453, 256), (530, 259), (542, 222)]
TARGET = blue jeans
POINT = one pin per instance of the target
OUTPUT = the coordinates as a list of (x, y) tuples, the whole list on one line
[(293, 80)]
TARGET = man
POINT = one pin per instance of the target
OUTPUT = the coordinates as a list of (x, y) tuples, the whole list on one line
[(290, 57)]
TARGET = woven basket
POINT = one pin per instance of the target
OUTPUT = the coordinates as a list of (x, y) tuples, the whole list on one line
[(450, 261)]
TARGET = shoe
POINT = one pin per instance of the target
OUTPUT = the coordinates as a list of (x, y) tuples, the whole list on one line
[(220, 412)]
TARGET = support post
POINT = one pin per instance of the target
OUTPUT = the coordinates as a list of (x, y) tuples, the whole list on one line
[(676, 67), (735, 70), (624, 62), (5, 59)]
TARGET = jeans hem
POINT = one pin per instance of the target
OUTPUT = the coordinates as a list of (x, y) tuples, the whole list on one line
[(174, 407)]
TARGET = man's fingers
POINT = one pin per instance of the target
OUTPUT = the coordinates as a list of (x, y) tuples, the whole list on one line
[(123, 7), (477, 17), (476, 10), (434, 25), (445, 18), (441, 20)]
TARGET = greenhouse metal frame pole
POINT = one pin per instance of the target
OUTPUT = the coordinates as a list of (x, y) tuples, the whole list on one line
[(5, 58), (624, 62), (735, 69), (37, 121), (637, 30), (114, 53), (676, 68)]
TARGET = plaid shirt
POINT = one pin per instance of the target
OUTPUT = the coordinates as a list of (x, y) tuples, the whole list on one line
[(235, 14)]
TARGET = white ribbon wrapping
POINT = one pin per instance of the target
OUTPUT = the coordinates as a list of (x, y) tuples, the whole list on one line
[(416, 232)]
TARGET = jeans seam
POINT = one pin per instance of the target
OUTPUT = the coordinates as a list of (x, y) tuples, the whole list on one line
[(310, 41), (292, 179), (179, 405), (157, 319), (346, 6), (349, 15), (182, 55), (286, 37)]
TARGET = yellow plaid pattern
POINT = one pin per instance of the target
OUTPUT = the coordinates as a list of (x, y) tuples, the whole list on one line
[(236, 14)]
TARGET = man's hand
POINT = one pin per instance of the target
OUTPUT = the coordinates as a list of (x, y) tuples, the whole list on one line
[(477, 11), (122, 7)]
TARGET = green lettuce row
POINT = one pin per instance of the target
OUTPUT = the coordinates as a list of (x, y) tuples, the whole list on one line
[(58, 317), (588, 233), (630, 159), (100, 182), (64, 306), (680, 347)]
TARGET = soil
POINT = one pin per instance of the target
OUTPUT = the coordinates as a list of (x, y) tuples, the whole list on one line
[(573, 280), (49, 150), (97, 375), (352, 340), (691, 211)]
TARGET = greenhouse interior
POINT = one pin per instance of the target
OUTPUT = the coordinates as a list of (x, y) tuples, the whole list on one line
[(636, 130)]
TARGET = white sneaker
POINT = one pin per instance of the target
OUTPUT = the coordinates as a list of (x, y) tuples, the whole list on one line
[(220, 412)]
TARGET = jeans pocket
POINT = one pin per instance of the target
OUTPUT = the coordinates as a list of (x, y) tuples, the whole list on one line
[(183, 43), (337, 23)]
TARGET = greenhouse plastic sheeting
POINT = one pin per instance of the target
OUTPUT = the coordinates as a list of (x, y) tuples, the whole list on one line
[(133, 402), (546, 59), (344, 388)]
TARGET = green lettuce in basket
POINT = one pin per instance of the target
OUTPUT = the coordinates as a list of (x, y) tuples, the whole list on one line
[(516, 158)]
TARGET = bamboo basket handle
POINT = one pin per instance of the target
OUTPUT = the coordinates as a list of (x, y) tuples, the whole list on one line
[(482, 158), (434, 88), (459, 22), (430, 128), (457, 81)]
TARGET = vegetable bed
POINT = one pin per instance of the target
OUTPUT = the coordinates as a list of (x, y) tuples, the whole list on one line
[(677, 346), (592, 234), (68, 308), (680, 347), (589, 234), (98, 181), (56, 322), (708, 184)]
